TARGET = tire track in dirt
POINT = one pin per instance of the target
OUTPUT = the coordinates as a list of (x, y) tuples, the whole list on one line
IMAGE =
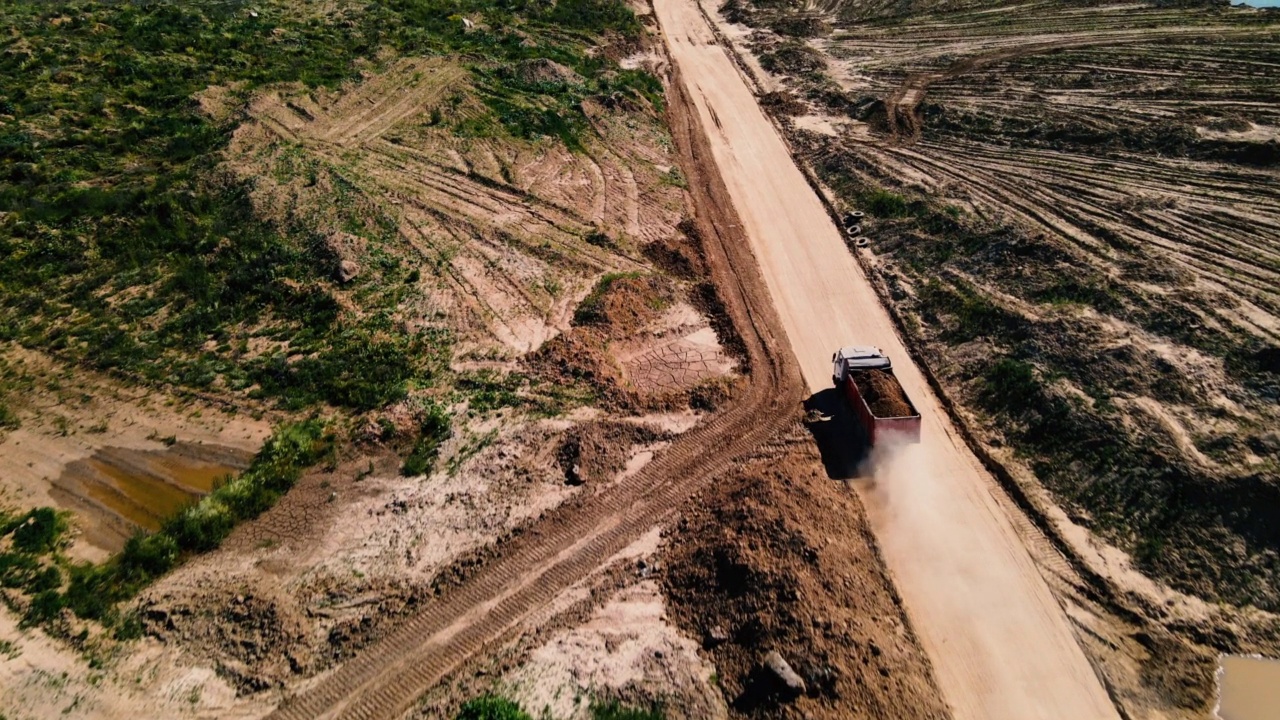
[(901, 106), (569, 543), (1076, 190)]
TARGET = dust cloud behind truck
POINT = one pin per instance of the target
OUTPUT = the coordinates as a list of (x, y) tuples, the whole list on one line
[(866, 377)]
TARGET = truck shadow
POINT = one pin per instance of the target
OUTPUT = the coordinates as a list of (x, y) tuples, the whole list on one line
[(840, 438)]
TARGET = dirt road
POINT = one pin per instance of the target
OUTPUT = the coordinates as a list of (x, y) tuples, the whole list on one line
[(1001, 645)]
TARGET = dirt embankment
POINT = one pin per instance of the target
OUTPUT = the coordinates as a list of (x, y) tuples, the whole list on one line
[(647, 341), (778, 557)]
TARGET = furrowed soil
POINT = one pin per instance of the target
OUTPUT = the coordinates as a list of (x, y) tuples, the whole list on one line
[(1072, 213), (428, 219), (611, 352)]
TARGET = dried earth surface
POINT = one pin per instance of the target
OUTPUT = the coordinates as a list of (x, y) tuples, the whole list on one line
[(1071, 213)]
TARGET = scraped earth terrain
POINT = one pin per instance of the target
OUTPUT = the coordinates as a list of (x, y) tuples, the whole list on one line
[(584, 275), (513, 244), (659, 542), (113, 455), (1073, 213)]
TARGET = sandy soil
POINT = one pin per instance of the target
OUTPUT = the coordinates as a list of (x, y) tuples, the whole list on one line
[(1000, 643), (499, 227), (500, 232), (608, 637), (1136, 143), (627, 647)]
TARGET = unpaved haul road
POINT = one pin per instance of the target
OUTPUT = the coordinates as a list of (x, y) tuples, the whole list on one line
[(1001, 645)]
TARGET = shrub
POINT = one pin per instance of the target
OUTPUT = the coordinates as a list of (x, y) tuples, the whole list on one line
[(94, 590), (590, 310), (491, 707), (39, 531), (614, 710), (44, 607), (433, 428), (8, 419), (885, 204), (1011, 385), (356, 370), (17, 569)]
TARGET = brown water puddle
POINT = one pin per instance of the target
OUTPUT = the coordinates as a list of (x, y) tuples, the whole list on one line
[(1248, 688), (119, 490)]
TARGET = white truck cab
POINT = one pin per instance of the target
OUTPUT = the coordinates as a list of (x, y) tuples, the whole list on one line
[(856, 357)]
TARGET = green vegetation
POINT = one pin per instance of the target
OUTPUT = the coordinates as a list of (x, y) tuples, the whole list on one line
[(614, 710), (489, 390), (882, 203), (591, 310), (122, 246), (34, 563), (433, 429), (491, 707), (1010, 385)]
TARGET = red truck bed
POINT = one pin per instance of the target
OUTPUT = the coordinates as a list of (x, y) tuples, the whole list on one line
[(897, 414)]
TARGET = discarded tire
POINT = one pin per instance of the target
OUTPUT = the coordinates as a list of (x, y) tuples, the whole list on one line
[(853, 230), (861, 242)]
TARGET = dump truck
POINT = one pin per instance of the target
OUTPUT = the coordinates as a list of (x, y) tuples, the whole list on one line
[(866, 377)]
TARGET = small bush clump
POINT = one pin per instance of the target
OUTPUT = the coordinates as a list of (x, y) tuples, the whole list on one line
[(491, 707), (433, 429)]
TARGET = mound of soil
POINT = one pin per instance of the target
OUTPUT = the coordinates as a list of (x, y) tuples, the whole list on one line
[(779, 558), (783, 103), (622, 305), (883, 393), (676, 256), (626, 312), (544, 71), (595, 451), (580, 355), (256, 641)]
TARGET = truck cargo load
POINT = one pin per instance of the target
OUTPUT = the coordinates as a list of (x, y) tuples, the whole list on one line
[(883, 408)]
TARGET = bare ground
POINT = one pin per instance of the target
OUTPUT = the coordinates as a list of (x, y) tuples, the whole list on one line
[(111, 453), (777, 557), (1103, 179), (509, 237)]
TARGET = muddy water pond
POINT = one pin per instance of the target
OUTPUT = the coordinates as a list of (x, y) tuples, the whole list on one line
[(1248, 688), (118, 491)]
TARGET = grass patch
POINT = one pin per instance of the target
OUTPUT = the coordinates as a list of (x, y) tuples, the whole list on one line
[(972, 314), (590, 310), (1011, 385), (491, 707), (885, 204), (614, 710), (433, 429)]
